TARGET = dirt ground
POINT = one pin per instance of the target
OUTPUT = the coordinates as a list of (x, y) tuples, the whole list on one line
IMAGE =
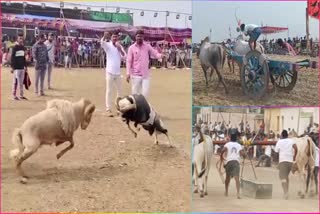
[(108, 169), (217, 202), (305, 92)]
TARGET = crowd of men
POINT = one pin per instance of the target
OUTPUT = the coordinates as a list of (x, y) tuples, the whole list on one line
[(299, 45), (264, 154), (76, 52), (137, 58), (284, 152)]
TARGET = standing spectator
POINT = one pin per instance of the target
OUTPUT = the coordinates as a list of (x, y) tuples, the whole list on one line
[(40, 55), (241, 124), (138, 65), (50, 47), (211, 129), (19, 67), (114, 54), (68, 55)]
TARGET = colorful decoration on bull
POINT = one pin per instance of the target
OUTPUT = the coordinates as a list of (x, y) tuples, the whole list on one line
[(313, 8)]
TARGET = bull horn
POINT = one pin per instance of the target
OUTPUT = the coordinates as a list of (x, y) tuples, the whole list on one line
[(129, 107), (89, 109), (117, 103)]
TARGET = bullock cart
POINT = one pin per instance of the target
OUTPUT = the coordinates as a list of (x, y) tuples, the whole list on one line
[(256, 70)]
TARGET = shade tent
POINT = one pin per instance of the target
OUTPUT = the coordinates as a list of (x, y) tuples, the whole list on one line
[(93, 27), (271, 30), (32, 21)]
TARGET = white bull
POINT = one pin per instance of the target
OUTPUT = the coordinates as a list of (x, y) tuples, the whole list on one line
[(201, 165), (305, 158), (242, 47)]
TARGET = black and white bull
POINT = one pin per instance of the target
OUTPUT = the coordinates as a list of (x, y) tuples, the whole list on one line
[(135, 108)]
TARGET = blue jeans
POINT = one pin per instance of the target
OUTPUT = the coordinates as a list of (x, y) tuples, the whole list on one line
[(254, 35), (40, 75)]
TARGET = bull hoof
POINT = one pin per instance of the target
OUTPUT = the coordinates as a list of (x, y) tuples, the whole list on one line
[(135, 135), (156, 142), (299, 193), (201, 195), (205, 193), (302, 196), (195, 191), (24, 180)]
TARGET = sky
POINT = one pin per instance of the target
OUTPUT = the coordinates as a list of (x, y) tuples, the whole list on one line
[(147, 19), (220, 15)]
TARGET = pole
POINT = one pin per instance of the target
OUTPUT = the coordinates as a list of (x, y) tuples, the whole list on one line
[(307, 28), (165, 35), (210, 34), (298, 121), (185, 21), (24, 25)]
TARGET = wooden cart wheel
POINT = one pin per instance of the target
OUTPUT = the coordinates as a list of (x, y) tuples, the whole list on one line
[(286, 80), (254, 75)]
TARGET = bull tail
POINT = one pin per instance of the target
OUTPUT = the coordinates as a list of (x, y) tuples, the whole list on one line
[(310, 150), (17, 140), (223, 56), (205, 159)]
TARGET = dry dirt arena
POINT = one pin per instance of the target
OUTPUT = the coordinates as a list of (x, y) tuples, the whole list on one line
[(305, 92), (108, 169), (215, 201)]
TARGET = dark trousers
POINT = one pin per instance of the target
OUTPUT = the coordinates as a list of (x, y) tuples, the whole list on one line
[(315, 173)]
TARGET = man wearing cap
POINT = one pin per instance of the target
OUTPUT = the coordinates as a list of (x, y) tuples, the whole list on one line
[(233, 151), (138, 64), (287, 150)]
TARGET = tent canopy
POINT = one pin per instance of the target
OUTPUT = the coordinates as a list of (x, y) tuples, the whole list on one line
[(271, 30)]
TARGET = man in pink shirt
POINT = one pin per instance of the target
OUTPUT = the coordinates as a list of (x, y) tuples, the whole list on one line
[(287, 47), (138, 65)]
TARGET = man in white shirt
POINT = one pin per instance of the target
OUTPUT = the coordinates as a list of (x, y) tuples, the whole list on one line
[(253, 31), (114, 54), (233, 151), (50, 47), (287, 150)]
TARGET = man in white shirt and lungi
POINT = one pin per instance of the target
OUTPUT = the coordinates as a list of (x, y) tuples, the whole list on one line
[(287, 150), (233, 151)]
